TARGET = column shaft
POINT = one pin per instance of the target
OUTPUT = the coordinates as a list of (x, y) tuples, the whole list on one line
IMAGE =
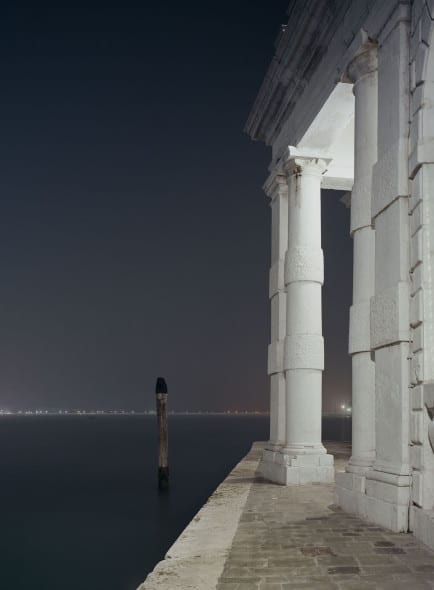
[(277, 190), (304, 347), (363, 72)]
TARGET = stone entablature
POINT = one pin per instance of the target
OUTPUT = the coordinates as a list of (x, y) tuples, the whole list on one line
[(351, 88), (311, 57)]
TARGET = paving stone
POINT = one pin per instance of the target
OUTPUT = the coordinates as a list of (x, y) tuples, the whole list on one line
[(384, 544), (374, 560), (337, 560), (290, 561), (377, 579), (357, 585), (361, 548), (389, 550), (280, 578), (392, 569), (314, 582), (406, 585), (243, 575), (309, 586), (247, 584), (425, 568), (316, 551), (343, 569)]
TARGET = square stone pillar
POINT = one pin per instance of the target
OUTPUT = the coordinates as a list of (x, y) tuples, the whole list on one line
[(350, 485), (388, 483), (421, 173)]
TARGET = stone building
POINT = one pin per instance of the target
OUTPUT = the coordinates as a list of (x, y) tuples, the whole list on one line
[(347, 104)]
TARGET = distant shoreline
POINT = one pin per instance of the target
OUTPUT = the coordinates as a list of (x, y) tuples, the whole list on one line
[(126, 413), (43, 413)]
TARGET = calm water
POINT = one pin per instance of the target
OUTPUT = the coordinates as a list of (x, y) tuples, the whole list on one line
[(80, 509)]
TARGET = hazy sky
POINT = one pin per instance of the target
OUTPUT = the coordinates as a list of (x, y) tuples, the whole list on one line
[(134, 233)]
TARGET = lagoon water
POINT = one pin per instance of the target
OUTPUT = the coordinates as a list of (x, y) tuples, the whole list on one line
[(79, 504)]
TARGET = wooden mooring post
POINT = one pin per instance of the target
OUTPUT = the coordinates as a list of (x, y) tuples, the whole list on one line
[(163, 434)]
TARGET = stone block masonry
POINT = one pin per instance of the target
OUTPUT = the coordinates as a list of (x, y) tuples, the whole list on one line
[(351, 85)]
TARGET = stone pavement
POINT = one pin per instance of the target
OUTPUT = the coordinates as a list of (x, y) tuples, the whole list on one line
[(289, 538)]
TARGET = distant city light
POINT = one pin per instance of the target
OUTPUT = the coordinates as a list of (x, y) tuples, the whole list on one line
[(95, 412)]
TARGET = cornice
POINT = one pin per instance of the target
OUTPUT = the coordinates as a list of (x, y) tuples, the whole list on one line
[(300, 48), (312, 54)]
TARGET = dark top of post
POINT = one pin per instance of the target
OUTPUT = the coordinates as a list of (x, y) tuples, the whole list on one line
[(161, 386)]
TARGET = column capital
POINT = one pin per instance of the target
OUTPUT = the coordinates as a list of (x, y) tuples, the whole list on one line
[(364, 62), (299, 161), (276, 185)]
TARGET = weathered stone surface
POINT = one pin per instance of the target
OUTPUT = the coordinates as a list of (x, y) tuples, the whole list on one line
[(196, 560), (255, 535), (378, 144), (295, 537)]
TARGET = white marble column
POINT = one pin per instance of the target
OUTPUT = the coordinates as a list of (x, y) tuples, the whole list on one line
[(362, 71), (303, 454), (277, 189)]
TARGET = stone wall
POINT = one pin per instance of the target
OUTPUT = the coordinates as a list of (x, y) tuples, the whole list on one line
[(421, 211)]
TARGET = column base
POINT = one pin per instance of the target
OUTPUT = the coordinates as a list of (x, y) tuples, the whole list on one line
[(388, 500), (350, 492), (379, 497), (284, 469), (360, 466), (351, 485), (422, 525)]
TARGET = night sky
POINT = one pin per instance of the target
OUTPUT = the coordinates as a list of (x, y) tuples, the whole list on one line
[(134, 233)]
